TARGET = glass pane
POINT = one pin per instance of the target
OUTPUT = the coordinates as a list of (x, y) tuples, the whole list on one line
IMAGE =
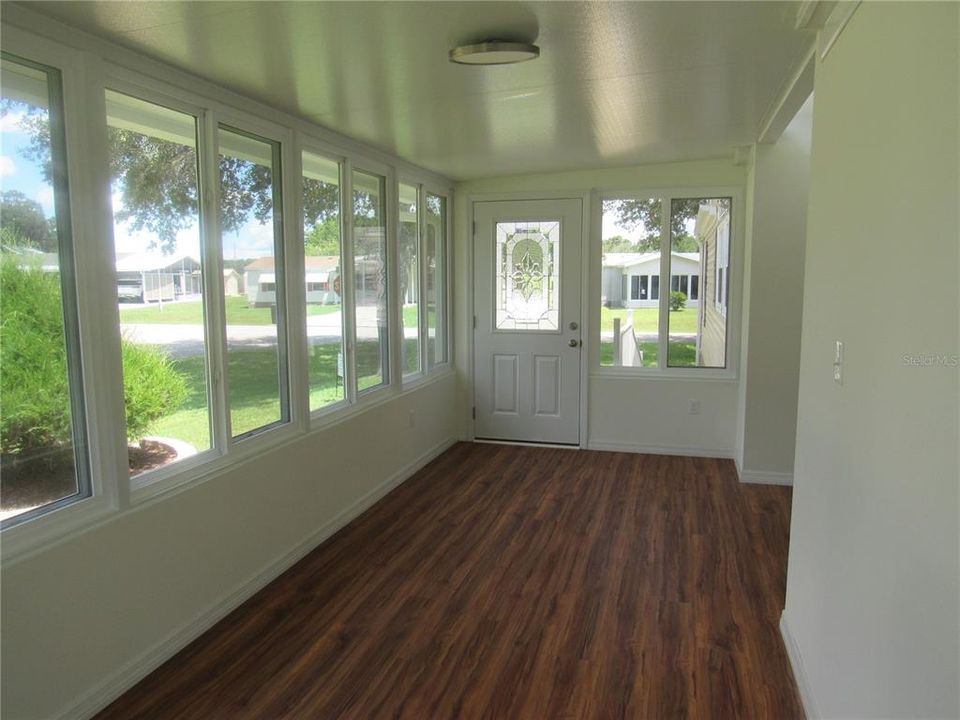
[(528, 276), (42, 447), (370, 280), (156, 232), (410, 278), (436, 259), (630, 283), (700, 255), (252, 238), (322, 247)]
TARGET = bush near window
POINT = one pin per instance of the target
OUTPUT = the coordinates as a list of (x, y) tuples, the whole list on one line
[(678, 300), (33, 364)]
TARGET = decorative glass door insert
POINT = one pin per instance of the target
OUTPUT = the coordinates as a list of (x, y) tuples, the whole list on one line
[(528, 276)]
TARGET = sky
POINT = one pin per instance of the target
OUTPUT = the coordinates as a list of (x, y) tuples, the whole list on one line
[(19, 173)]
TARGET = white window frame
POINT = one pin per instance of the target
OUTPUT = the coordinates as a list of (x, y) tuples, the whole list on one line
[(444, 316), (317, 147), (666, 195), (410, 378), (87, 68)]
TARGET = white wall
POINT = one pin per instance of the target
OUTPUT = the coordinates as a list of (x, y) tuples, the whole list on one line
[(626, 413), (774, 303), (78, 617), (872, 590)]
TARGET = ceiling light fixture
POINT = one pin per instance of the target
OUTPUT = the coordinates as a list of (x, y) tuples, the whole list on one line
[(494, 52)]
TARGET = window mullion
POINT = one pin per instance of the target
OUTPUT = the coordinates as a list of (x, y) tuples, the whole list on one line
[(347, 277), (394, 301), (422, 307), (298, 344), (663, 341), (215, 315)]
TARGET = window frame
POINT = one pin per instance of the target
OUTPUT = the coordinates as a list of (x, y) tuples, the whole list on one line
[(308, 144), (444, 316), (666, 195), (409, 378), (87, 69)]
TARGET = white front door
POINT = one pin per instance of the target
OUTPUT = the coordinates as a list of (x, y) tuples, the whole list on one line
[(527, 348)]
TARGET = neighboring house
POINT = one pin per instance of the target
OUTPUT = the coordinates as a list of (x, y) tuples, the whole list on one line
[(321, 274), (232, 282), (713, 233), (632, 280), (146, 277)]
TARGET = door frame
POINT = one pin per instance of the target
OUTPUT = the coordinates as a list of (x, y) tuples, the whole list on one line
[(585, 197)]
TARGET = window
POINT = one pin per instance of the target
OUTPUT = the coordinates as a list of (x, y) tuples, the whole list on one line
[(700, 229), (435, 257), (323, 260), (370, 296), (410, 278), (629, 323), (251, 233), (43, 447), (158, 257), (635, 235)]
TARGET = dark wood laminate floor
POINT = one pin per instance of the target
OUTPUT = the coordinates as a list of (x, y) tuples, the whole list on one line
[(514, 582)]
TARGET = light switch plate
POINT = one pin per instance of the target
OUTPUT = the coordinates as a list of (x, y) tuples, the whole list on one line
[(838, 363)]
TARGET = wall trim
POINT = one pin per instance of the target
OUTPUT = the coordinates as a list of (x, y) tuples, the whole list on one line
[(765, 477), (799, 673), (146, 662), (682, 450)]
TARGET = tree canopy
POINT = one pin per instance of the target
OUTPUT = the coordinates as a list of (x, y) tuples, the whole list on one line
[(157, 181), (22, 219), (646, 214)]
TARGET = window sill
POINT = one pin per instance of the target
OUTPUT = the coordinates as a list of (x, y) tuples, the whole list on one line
[(671, 374), (53, 528)]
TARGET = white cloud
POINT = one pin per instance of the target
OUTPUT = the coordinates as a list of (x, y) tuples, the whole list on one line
[(7, 166), (11, 122), (45, 197)]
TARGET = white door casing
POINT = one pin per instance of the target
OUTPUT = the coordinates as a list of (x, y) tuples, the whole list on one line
[(527, 339)]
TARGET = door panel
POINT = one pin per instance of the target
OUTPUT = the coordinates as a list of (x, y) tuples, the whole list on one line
[(527, 348)]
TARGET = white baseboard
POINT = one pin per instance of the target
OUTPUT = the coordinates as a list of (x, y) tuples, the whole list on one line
[(132, 672), (684, 450), (799, 673), (762, 477)]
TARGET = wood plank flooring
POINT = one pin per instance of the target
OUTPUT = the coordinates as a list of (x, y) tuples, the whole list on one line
[(514, 582)]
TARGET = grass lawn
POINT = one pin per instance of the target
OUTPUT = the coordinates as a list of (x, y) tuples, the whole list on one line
[(238, 313), (254, 389), (647, 319), (191, 313), (681, 354)]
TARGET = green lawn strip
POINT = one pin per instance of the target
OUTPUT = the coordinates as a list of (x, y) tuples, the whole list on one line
[(681, 354), (254, 388), (238, 313), (647, 319)]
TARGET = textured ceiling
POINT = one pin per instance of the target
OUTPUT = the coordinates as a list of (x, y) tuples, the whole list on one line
[(617, 82)]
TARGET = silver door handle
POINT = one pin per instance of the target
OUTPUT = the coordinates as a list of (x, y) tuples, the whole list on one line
[(574, 343), (573, 326)]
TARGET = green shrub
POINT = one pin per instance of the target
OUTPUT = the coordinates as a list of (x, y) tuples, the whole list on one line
[(152, 387), (678, 300), (34, 389)]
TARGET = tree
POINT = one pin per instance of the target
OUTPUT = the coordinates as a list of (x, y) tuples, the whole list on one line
[(157, 180), (324, 238), (23, 218), (634, 214), (618, 243)]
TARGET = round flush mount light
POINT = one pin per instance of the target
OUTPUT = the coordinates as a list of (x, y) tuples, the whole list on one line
[(494, 52)]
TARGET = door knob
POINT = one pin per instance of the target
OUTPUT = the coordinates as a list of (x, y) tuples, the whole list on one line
[(573, 343)]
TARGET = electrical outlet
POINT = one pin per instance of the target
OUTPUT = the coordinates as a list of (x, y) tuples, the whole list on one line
[(694, 407), (838, 363)]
